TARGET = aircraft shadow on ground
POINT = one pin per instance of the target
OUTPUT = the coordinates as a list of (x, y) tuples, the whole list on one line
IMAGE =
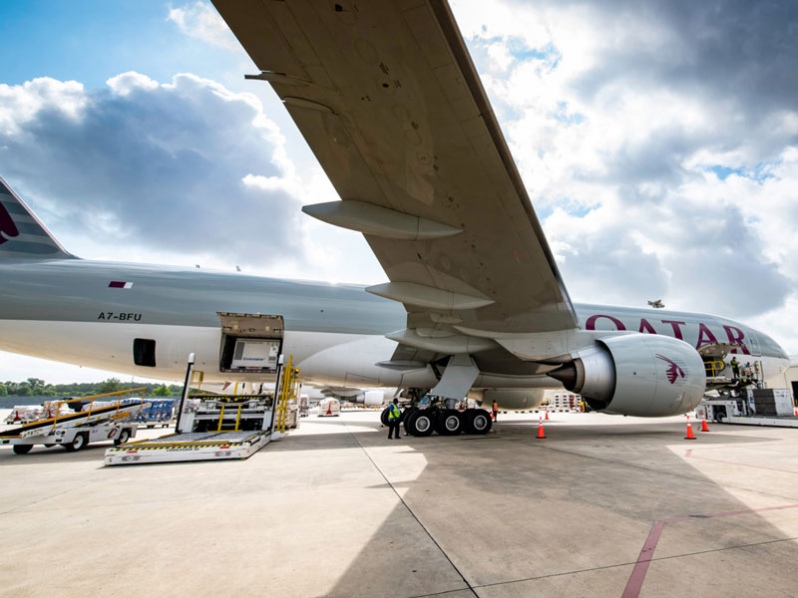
[(510, 514)]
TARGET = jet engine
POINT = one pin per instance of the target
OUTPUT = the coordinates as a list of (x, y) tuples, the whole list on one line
[(374, 398), (637, 374)]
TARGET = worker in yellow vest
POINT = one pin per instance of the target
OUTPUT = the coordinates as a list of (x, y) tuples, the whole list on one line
[(394, 415), (735, 366)]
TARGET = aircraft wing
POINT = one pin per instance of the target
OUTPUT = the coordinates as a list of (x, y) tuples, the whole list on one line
[(387, 97)]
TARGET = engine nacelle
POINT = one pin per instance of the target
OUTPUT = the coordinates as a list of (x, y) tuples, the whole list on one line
[(513, 398), (374, 398), (645, 375)]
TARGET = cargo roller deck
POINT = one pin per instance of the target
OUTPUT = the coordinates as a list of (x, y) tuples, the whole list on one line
[(209, 428), (192, 446)]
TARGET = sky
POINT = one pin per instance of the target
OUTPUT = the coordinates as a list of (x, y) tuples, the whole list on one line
[(658, 140)]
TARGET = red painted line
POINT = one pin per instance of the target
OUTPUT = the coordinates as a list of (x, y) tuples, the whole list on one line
[(640, 569), (641, 566)]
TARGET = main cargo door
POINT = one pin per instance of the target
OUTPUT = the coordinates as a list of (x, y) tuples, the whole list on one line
[(251, 343)]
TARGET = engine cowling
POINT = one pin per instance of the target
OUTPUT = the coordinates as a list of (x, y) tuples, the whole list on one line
[(644, 375), (374, 398)]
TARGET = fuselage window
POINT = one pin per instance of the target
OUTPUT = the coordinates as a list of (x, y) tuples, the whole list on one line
[(144, 352)]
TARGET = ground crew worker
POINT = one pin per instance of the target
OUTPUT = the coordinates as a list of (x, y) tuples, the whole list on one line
[(735, 368), (394, 415), (495, 410)]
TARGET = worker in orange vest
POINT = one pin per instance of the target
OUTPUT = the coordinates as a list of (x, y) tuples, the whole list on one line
[(495, 410)]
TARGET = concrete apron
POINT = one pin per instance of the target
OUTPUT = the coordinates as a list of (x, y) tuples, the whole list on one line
[(602, 506)]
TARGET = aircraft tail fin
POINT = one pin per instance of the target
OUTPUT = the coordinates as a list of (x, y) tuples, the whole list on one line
[(22, 235)]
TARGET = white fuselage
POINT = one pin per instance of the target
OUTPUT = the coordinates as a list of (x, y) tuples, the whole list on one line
[(75, 311)]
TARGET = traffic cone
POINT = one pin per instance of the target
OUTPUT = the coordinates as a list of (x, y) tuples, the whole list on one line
[(547, 415), (704, 426), (690, 435), (541, 432)]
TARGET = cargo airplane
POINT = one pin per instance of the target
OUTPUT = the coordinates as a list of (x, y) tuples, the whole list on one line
[(386, 96)]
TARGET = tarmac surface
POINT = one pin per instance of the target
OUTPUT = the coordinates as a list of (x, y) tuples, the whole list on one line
[(603, 506)]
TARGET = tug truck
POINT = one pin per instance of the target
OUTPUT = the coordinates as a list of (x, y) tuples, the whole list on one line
[(754, 406), (94, 421)]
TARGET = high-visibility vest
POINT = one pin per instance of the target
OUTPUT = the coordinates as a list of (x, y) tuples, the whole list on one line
[(394, 411)]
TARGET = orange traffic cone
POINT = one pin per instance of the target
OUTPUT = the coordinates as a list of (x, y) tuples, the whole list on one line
[(690, 435), (541, 432), (547, 415), (704, 426)]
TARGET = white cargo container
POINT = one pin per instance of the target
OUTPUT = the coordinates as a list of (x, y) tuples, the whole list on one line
[(329, 408)]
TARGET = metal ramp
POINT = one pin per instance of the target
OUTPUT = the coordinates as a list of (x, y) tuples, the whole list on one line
[(758, 420), (191, 446)]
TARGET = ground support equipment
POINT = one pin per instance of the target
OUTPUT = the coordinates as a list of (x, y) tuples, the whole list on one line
[(196, 446), (74, 423), (752, 407), (212, 427)]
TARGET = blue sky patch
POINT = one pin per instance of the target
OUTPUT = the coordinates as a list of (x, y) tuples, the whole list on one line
[(760, 174), (723, 172), (563, 115)]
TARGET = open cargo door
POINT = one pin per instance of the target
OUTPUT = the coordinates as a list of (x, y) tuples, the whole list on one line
[(251, 343)]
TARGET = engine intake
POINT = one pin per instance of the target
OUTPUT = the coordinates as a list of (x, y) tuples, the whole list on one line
[(637, 374)]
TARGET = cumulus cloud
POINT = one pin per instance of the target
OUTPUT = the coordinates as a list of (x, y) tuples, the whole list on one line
[(184, 167), (200, 21), (657, 140), (20, 104)]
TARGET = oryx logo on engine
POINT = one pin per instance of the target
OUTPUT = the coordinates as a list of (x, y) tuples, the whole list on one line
[(674, 371)]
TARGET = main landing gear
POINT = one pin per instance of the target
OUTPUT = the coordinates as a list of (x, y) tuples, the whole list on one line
[(444, 421)]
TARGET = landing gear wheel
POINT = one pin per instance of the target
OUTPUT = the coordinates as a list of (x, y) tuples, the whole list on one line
[(384, 416), (422, 423), (478, 421), (407, 416), (124, 436), (79, 442), (22, 449), (449, 423)]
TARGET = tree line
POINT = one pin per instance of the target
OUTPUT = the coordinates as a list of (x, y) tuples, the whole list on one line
[(35, 387)]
